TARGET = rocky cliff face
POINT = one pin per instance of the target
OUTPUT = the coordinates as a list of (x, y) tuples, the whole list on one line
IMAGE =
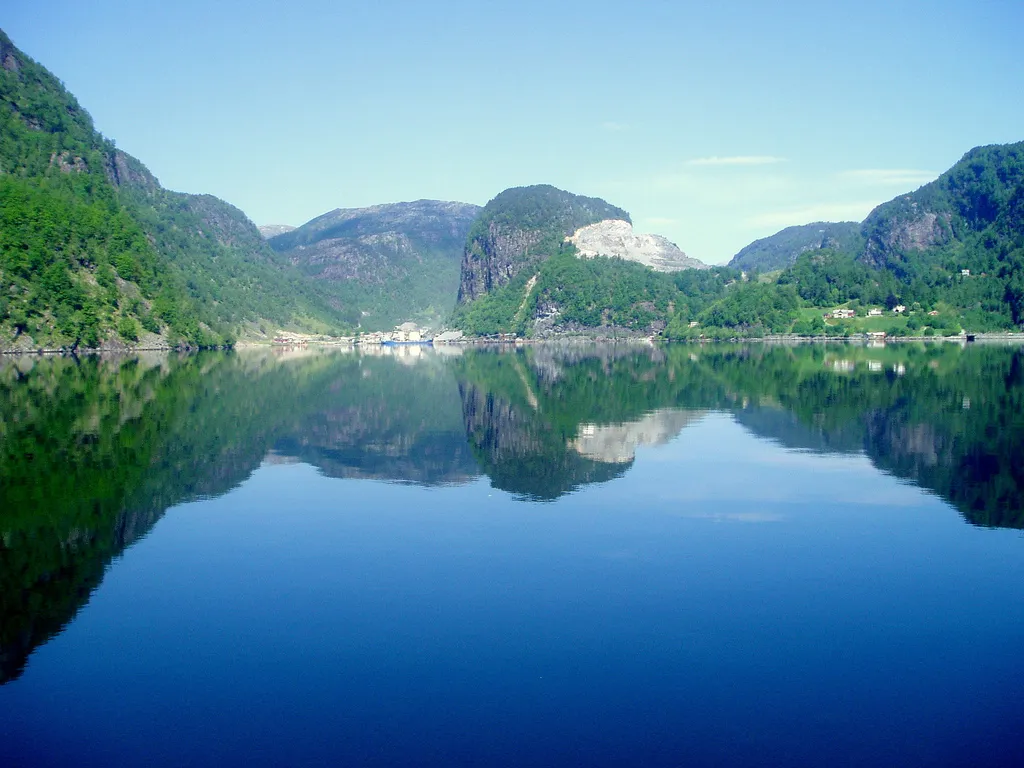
[(902, 225), (494, 258), (971, 212), (125, 171), (615, 237), (519, 229)]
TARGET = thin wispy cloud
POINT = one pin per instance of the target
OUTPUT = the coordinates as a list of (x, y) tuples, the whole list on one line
[(613, 127), (897, 177), (737, 160)]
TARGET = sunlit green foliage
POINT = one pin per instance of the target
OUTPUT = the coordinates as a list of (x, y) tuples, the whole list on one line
[(827, 278), (575, 293)]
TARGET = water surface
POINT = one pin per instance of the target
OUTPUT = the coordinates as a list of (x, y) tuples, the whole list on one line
[(578, 555)]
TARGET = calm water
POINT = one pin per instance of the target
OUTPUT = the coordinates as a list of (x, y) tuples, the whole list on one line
[(575, 556)]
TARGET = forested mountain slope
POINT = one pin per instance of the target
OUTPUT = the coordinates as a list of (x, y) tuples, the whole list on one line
[(959, 239), (93, 249), (522, 272), (950, 253), (783, 248), (519, 229)]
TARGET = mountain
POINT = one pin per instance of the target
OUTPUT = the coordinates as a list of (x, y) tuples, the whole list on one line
[(94, 251), (783, 248), (388, 263), (616, 239), (949, 256), (270, 230), (522, 272), (959, 239), (975, 206), (519, 229)]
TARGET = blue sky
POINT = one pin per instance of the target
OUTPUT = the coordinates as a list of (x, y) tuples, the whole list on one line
[(713, 123)]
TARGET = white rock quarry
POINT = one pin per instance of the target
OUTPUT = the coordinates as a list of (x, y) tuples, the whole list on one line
[(614, 237)]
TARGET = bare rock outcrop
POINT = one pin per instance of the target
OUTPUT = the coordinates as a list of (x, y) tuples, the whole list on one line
[(272, 230), (614, 237)]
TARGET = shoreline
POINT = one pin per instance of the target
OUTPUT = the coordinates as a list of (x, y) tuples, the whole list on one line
[(349, 343)]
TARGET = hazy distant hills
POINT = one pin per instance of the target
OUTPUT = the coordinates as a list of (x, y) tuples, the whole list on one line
[(783, 248), (385, 263)]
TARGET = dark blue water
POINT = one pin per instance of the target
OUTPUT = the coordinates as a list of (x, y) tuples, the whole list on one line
[(706, 593)]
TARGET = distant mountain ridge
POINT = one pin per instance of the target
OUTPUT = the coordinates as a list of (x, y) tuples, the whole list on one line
[(95, 252), (385, 263), (782, 249)]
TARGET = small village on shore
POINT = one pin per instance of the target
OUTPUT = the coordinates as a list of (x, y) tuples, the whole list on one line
[(408, 333)]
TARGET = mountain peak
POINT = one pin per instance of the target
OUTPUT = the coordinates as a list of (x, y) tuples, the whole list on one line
[(520, 228)]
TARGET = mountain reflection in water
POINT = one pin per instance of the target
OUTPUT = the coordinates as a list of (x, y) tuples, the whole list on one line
[(94, 451)]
